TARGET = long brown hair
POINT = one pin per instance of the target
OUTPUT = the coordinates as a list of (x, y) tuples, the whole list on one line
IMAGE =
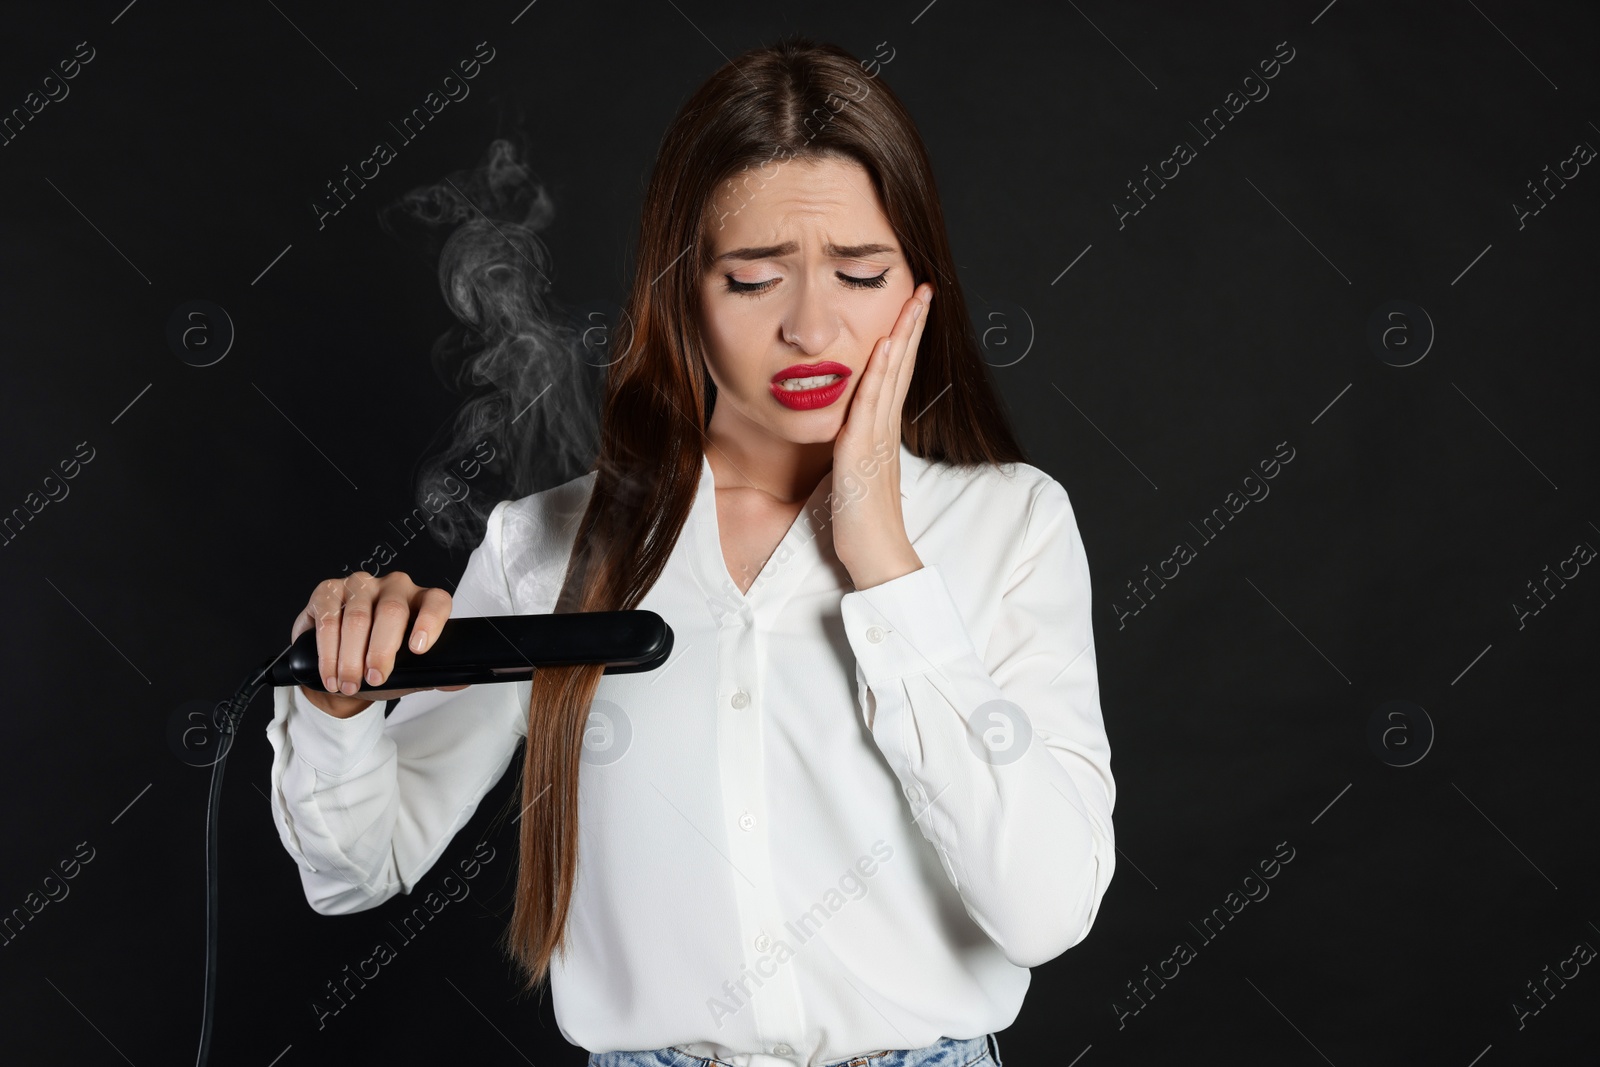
[(797, 99)]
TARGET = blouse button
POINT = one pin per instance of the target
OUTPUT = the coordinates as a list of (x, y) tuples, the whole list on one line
[(913, 794), (747, 821), (740, 699), (763, 943), (782, 1050), (874, 634)]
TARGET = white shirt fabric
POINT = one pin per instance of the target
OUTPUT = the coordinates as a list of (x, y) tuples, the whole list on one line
[(794, 848)]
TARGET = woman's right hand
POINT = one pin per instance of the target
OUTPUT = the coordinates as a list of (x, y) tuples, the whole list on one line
[(360, 623)]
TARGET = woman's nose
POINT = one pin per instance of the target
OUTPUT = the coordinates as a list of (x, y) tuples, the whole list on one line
[(811, 322)]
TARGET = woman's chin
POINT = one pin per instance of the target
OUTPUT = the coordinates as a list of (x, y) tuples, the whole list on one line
[(807, 427)]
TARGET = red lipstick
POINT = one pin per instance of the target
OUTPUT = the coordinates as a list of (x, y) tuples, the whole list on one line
[(820, 395)]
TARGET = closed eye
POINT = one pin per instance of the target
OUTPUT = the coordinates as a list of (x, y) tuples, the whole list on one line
[(751, 288)]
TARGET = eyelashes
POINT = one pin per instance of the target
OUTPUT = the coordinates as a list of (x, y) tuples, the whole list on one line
[(753, 288)]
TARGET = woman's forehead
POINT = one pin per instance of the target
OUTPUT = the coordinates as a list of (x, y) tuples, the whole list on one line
[(830, 202)]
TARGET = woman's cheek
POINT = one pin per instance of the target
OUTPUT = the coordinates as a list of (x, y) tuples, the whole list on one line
[(883, 316)]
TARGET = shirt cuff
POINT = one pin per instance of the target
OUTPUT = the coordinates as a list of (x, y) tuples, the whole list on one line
[(907, 625), (330, 745)]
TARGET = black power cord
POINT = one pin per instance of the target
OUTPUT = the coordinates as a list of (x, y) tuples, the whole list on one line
[(226, 719)]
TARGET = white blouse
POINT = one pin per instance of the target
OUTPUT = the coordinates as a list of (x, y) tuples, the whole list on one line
[(835, 821)]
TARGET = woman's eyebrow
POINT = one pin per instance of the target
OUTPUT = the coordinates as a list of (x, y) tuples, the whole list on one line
[(788, 247)]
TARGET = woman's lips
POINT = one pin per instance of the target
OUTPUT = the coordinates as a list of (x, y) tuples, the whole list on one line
[(817, 397), (811, 370)]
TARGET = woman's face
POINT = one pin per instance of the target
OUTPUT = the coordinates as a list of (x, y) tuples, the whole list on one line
[(805, 270)]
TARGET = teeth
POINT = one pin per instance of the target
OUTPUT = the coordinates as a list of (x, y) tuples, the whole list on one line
[(796, 384)]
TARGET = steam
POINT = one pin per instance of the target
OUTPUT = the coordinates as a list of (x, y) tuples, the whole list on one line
[(534, 388)]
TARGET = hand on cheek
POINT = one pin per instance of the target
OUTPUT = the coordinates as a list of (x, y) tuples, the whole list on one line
[(869, 532)]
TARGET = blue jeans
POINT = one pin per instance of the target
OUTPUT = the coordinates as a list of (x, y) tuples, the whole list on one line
[(946, 1052)]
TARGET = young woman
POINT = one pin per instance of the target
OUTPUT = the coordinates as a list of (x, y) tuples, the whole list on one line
[(872, 785)]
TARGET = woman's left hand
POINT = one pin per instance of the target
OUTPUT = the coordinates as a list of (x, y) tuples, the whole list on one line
[(869, 530)]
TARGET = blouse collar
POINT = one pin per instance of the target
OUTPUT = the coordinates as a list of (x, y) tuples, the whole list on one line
[(800, 550)]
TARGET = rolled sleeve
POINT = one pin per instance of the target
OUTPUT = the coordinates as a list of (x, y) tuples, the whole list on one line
[(331, 745), (366, 804), (904, 626), (1001, 753)]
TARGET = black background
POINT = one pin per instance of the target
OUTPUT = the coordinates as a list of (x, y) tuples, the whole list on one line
[(1181, 347)]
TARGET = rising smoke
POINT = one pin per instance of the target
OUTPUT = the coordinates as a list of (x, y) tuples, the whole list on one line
[(526, 365)]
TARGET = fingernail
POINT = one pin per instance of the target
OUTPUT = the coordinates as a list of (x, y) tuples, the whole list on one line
[(419, 639), (916, 312), (373, 677), (332, 683), (349, 688)]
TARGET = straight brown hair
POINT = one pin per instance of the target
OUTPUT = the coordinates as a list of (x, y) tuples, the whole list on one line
[(795, 100)]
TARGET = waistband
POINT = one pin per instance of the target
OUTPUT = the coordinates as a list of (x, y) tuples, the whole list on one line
[(946, 1052)]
